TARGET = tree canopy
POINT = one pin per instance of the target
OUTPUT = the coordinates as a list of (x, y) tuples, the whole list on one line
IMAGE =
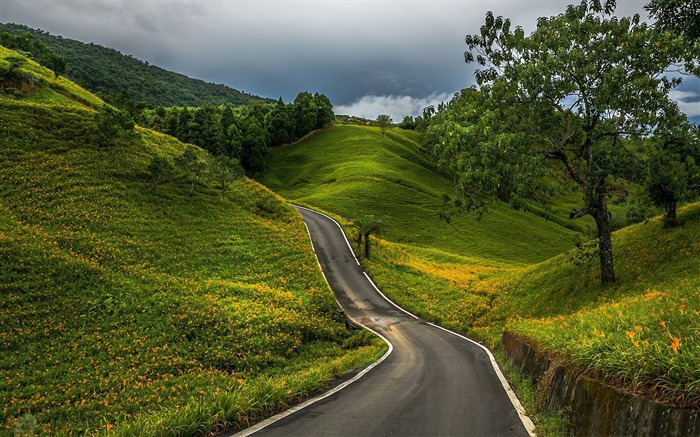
[(679, 16), (566, 98), (384, 121)]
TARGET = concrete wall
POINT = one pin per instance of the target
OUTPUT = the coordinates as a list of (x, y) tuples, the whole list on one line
[(594, 408)]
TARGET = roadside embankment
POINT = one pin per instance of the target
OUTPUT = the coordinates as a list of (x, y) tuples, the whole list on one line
[(592, 407)]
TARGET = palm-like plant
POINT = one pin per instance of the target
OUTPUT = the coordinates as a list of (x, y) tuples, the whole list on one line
[(366, 226)]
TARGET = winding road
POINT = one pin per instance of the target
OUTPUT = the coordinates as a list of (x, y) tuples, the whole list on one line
[(431, 383)]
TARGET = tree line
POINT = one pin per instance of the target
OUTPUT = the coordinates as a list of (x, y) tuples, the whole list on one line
[(243, 133), (584, 99)]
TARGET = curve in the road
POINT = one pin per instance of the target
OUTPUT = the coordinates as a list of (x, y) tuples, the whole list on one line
[(432, 381)]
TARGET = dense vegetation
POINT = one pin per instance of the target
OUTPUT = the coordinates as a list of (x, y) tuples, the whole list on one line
[(244, 133), (133, 304), (115, 76), (35, 49)]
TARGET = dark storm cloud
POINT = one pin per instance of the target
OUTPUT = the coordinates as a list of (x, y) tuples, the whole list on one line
[(358, 52)]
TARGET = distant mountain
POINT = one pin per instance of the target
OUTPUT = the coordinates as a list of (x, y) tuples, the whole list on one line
[(106, 71)]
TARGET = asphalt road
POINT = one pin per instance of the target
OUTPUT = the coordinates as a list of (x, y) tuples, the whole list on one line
[(433, 383)]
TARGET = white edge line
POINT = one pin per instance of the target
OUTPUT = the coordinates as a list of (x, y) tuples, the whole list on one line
[(267, 422), (277, 417), (524, 418)]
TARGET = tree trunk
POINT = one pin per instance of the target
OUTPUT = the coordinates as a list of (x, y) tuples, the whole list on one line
[(367, 246), (671, 218), (599, 211), (359, 241)]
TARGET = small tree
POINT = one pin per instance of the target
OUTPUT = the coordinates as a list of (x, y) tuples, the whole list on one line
[(160, 170), (384, 121), (366, 226), (673, 174), (112, 127), (225, 170), (192, 167)]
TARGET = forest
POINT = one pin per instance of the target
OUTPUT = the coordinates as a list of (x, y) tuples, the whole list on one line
[(243, 133), (109, 73)]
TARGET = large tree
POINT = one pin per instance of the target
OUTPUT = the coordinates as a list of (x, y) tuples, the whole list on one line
[(579, 84)]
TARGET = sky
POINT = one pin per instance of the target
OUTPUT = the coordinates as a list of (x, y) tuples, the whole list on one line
[(369, 57)]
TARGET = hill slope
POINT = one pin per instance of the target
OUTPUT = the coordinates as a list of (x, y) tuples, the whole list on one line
[(136, 308), (105, 70), (640, 334), (370, 173)]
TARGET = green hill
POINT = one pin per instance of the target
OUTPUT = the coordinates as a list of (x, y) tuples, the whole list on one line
[(106, 71), (353, 171), (512, 270), (132, 307)]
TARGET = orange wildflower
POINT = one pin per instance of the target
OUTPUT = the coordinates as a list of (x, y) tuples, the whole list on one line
[(675, 344)]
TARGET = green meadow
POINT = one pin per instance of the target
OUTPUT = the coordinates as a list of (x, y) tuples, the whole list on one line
[(354, 170), (131, 308), (512, 270)]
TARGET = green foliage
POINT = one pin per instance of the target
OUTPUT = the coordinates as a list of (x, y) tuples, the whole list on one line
[(384, 121), (112, 127), (255, 143), (244, 133), (409, 123), (673, 173), (348, 168), (107, 72), (367, 226), (192, 165), (678, 16), (26, 426), (160, 171), (14, 79), (35, 50), (25, 80), (463, 141), (225, 170), (570, 92)]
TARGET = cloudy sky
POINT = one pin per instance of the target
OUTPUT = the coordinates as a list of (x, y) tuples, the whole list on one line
[(368, 56)]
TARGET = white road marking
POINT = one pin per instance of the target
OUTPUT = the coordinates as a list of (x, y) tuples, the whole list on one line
[(524, 418)]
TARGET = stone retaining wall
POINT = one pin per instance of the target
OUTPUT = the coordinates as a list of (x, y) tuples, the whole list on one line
[(592, 407)]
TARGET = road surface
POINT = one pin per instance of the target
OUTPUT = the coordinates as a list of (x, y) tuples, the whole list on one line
[(433, 383)]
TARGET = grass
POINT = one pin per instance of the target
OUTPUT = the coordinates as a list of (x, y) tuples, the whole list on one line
[(513, 271), (383, 175), (642, 333), (140, 311)]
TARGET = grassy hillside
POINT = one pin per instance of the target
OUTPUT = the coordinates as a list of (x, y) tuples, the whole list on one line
[(141, 310), (105, 70), (641, 334), (353, 171)]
